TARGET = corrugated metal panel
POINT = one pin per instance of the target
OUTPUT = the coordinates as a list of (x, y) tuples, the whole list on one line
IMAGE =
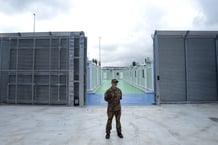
[(5, 43), (24, 94), (42, 59), (35, 68), (202, 80), (171, 69), (186, 64), (0, 69)]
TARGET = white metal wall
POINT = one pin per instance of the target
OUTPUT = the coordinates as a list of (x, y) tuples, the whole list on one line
[(111, 73), (140, 76), (93, 76)]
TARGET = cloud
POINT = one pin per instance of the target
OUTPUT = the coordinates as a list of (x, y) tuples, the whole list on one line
[(121, 54), (124, 25), (136, 43), (126, 31), (43, 8), (207, 13)]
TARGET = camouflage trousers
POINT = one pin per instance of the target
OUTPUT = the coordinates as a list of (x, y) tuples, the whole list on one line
[(117, 115)]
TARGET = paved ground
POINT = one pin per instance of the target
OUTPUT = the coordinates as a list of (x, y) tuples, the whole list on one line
[(147, 125), (131, 95), (125, 87)]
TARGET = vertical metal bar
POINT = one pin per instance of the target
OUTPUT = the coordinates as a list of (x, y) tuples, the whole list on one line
[(145, 74), (152, 76), (216, 56), (1, 98), (33, 67), (99, 60), (16, 89), (85, 69), (8, 71), (67, 68), (156, 69), (186, 66), (49, 79), (59, 68), (81, 70), (34, 22), (7, 94), (71, 69)]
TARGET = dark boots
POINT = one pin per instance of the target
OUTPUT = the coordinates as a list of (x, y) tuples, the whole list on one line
[(107, 136), (119, 134)]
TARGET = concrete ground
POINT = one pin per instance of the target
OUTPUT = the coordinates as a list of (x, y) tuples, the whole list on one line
[(152, 125)]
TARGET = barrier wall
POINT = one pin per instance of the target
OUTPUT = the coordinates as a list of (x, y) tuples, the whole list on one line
[(186, 66), (93, 77), (43, 68)]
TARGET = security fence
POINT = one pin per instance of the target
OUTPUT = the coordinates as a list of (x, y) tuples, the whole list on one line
[(43, 68)]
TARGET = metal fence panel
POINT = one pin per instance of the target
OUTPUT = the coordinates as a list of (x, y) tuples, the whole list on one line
[(172, 70), (202, 80), (35, 67), (185, 67)]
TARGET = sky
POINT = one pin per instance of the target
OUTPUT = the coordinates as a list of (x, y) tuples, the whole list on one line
[(125, 26)]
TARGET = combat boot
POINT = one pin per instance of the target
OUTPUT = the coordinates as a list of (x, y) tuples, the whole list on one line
[(107, 136), (120, 135)]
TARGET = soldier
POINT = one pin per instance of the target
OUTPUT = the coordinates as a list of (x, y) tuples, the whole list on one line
[(113, 96)]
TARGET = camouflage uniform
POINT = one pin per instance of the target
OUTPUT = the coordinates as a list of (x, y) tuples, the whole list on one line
[(113, 97)]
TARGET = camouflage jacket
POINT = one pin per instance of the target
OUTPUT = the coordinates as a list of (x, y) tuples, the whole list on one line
[(113, 97)]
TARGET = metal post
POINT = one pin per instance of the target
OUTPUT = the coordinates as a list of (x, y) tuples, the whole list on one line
[(71, 62), (49, 78), (59, 67), (33, 68), (8, 86), (16, 90), (34, 22), (216, 56), (100, 60), (81, 70), (186, 66), (99, 51), (67, 70), (1, 71), (156, 69)]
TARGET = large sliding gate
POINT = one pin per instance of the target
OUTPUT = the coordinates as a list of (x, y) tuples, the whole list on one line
[(43, 68), (185, 66)]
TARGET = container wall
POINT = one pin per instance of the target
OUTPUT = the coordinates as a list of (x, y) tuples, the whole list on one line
[(140, 76), (172, 69), (185, 66), (93, 77), (202, 79), (35, 68)]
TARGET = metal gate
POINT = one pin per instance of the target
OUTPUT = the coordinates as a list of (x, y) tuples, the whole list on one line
[(185, 66), (43, 68)]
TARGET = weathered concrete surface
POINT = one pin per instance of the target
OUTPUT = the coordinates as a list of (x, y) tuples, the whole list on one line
[(151, 125)]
